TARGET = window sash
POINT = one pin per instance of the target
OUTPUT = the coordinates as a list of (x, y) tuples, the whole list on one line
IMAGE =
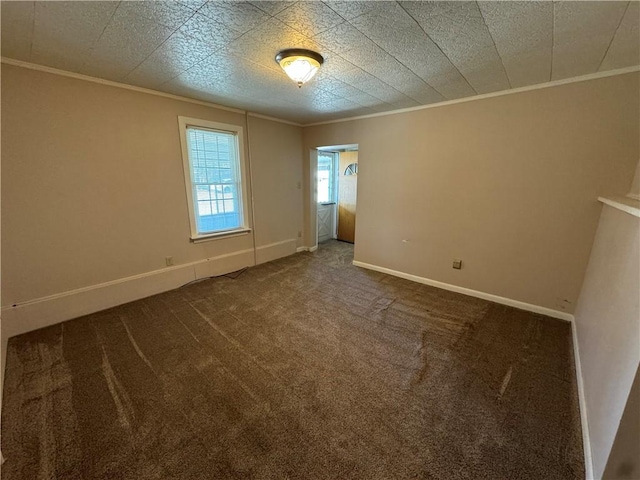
[(326, 177), (214, 171)]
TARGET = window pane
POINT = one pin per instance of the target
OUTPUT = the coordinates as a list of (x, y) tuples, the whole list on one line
[(215, 179), (325, 177), (323, 186), (199, 175), (203, 193), (204, 208)]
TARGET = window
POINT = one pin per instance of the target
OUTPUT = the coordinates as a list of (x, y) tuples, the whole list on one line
[(212, 156), (326, 165), (351, 169)]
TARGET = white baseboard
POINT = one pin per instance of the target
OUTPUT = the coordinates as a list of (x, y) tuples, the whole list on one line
[(473, 293), (307, 249), (586, 442), (222, 264), (273, 251), (45, 311)]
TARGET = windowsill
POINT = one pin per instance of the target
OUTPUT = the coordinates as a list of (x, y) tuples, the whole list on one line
[(626, 204), (239, 232)]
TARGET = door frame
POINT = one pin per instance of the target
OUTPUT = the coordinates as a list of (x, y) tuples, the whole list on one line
[(313, 169), (334, 190)]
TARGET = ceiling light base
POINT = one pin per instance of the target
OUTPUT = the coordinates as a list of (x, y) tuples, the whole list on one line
[(299, 64)]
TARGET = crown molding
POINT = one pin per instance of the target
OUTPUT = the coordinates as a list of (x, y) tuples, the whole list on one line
[(274, 119), (539, 86), (79, 76), (110, 83)]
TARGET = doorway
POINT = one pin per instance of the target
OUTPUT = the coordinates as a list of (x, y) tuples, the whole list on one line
[(336, 199), (327, 194)]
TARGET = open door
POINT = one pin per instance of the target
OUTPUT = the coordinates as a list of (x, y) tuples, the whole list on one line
[(327, 165), (347, 191)]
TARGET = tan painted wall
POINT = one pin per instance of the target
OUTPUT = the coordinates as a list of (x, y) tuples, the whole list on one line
[(93, 188), (608, 327), (508, 184), (635, 185), (276, 150)]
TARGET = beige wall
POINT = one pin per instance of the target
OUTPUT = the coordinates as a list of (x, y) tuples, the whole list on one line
[(635, 185), (93, 188), (508, 184), (276, 151), (608, 327)]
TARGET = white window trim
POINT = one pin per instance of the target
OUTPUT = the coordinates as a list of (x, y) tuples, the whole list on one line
[(238, 131)]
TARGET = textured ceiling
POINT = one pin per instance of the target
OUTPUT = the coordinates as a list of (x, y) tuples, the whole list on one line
[(379, 56)]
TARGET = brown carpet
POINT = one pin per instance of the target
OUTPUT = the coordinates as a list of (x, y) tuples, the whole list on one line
[(302, 368)]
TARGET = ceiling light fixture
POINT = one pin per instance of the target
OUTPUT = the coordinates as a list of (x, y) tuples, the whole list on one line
[(299, 64)]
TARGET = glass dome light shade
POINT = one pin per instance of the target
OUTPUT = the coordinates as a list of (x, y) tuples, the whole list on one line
[(300, 65)]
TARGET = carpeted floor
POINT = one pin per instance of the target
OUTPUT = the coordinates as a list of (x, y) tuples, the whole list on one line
[(302, 368)]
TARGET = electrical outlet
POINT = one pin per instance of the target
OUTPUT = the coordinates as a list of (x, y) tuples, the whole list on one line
[(168, 261), (457, 264)]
